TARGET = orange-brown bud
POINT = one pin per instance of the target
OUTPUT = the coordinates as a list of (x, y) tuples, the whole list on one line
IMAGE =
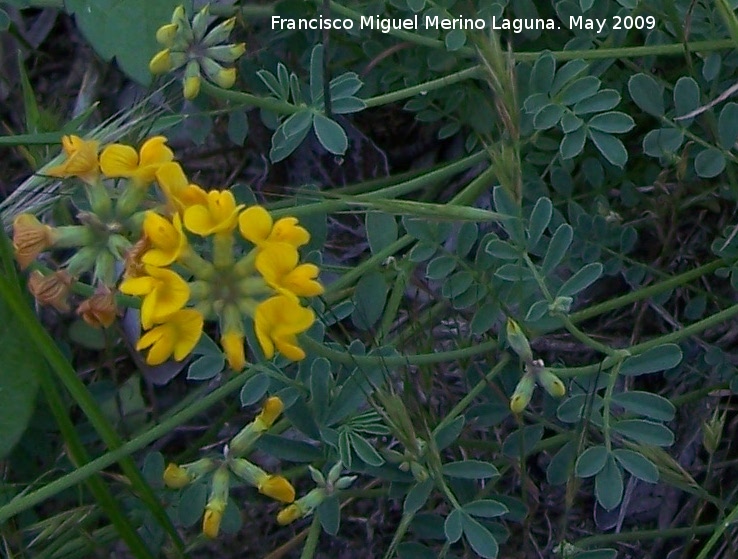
[(100, 310), (133, 266), (52, 289), (30, 238)]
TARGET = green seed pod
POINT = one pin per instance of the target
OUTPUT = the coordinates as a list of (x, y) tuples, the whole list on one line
[(518, 341), (551, 383), (523, 393)]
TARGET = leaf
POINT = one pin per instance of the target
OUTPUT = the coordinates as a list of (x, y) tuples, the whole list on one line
[(485, 508), (663, 141), (502, 250), (612, 122), (20, 368), (540, 217), (206, 367), (709, 163), (417, 497), (548, 116), (329, 514), (557, 248), (569, 71), (480, 539), (560, 467), (365, 451), (660, 358), (579, 90), (470, 469), (125, 31), (643, 431), (381, 230), (449, 433), (282, 145), (316, 75), (610, 147), (191, 503), (585, 277), (452, 526), (609, 485), (573, 143), (647, 94), (637, 465), (522, 441), (603, 100), (647, 404), (686, 98), (441, 266), (330, 134), (728, 125), (455, 39), (254, 388), (369, 298), (591, 461), (541, 77)]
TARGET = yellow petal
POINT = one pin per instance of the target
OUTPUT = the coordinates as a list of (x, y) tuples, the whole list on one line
[(137, 286), (189, 330), (255, 224), (277, 488), (232, 343), (197, 219), (155, 152), (287, 230), (118, 160)]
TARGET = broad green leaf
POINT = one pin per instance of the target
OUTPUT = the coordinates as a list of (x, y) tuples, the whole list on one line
[(557, 248), (609, 485), (637, 465), (485, 317), (381, 230), (502, 250), (647, 94), (561, 465), (578, 90), (643, 431), (663, 141), (522, 441), (548, 116), (728, 125), (365, 451), (485, 508), (285, 448), (455, 39), (585, 277), (686, 98), (603, 100), (470, 469), (570, 123), (125, 31), (540, 217), (254, 389), (297, 123), (660, 358), (206, 367), (647, 404), (452, 526), (330, 134), (573, 143), (369, 298), (283, 146), (348, 105), (441, 266), (541, 77), (238, 127), (191, 503), (448, 434), (591, 461), (316, 75), (568, 72), (709, 163), (610, 147), (480, 539), (345, 85), (329, 514), (612, 122), (417, 496)]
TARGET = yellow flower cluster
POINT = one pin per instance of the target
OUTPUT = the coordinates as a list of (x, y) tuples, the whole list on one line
[(199, 50), (273, 486), (262, 282)]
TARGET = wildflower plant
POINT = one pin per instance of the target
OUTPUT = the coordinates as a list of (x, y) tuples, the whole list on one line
[(574, 233)]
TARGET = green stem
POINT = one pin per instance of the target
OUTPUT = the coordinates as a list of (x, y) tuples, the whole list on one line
[(311, 543)]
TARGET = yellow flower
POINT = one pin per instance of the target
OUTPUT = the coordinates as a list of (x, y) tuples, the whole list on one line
[(178, 190), (52, 289), (164, 292), (289, 514), (278, 264), (211, 521), (167, 239), (257, 226), (176, 477), (276, 487), (277, 321), (81, 160), (178, 336), (161, 63), (118, 160), (30, 238), (271, 410), (232, 343), (100, 310), (217, 216)]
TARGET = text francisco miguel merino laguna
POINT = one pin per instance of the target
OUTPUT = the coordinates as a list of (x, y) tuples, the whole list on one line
[(416, 22)]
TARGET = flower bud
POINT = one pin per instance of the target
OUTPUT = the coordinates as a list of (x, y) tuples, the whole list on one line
[(104, 272), (191, 80), (278, 488), (200, 23), (176, 477), (100, 310), (217, 502), (52, 289), (225, 53), (518, 341), (161, 62), (166, 34), (219, 33), (271, 410), (223, 77), (551, 383), (232, 343), (30, 238), (523, 393), (82, 261), (289, 514), (302, 507)]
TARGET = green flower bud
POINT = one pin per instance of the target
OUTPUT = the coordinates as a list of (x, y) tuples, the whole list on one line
[(551, 383), (200, 23), (223, 77), (220, 33), (105, 268), (523, 393), (166, 34), (344, 482), (712, 432), (518, 341), (119, 246), (73, 236), (419, 472), (82, 261), (192, 80), (225, 53)]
